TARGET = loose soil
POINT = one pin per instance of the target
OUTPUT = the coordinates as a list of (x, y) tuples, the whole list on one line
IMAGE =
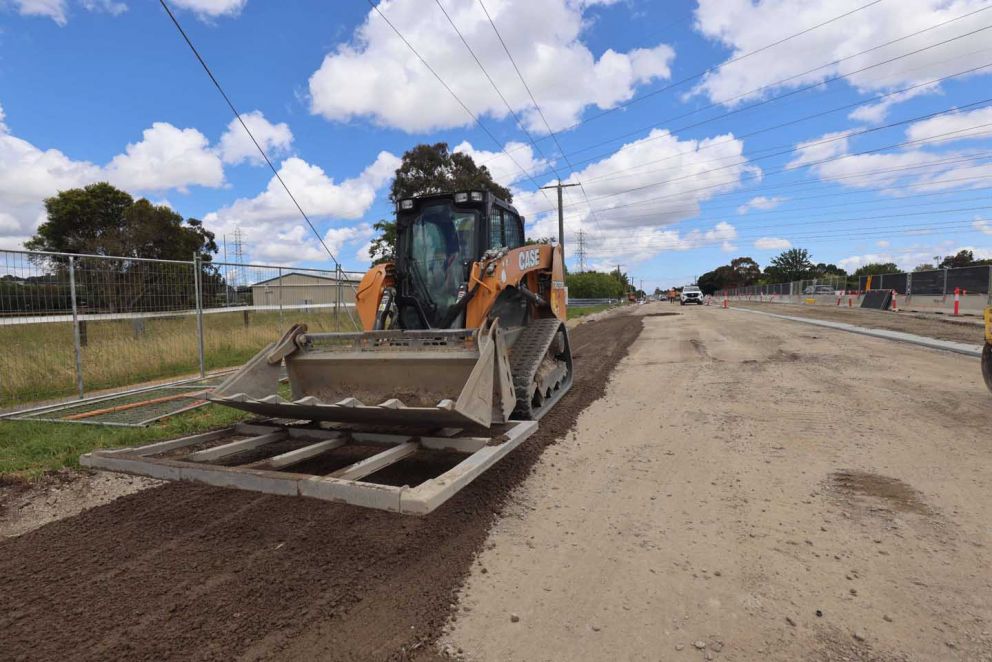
[(196, 573), (966, 330)]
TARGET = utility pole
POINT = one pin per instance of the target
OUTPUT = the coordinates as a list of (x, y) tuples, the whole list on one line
[(561, 213), (581, 253)]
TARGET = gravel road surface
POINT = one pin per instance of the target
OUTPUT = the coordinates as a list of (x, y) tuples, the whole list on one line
[(751, 489)]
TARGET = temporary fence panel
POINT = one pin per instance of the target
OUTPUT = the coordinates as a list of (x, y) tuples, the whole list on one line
[(72, 324)]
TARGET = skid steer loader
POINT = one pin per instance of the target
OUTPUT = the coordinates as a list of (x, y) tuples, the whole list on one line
[(987, 349), (464, 333)]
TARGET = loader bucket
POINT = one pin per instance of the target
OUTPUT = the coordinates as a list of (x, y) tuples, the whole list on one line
[(435, 378)]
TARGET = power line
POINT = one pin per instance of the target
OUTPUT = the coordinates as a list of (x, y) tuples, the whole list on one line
[(778, 226), (620, 173), (447, 87), (540, 113), (879, 231), (247, 130), (700, 74), (784, 185), (806, 211), (806, 88), (506, 103), (821, 142)]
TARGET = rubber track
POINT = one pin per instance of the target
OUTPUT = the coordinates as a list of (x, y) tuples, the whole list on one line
[(525, 357)]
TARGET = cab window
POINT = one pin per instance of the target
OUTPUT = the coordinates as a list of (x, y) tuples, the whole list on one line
[(513, 230), (496, 228)]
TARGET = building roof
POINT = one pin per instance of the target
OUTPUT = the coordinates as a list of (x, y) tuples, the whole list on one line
[(305, 275)]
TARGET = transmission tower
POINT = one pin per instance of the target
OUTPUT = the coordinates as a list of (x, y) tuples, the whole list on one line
[(239, 258), (581, 252)]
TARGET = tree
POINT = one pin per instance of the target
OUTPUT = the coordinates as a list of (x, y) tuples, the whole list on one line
[(383, 246), (876, 269), (594, 285), (430, 169), (790, 265), (823, 270), (100, 219), (926, 266), (746, 271), (433, 169), (964, 258)]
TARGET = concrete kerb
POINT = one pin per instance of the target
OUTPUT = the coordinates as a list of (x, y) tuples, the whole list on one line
[(922, 341)]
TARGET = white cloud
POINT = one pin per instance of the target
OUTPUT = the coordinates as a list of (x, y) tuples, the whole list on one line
[(772, 244), (377, 77), (883, 243), (58, 10), (967, 125), (760, 202), (167, 157), (743, 26), (827, 146), (53, 9), (915, 167), (270, 223), (236, 146), (982, 226), (211, 8), (633, 205), (505, 170), (111, 7)]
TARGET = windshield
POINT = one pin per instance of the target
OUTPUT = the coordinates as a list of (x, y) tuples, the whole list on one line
[(692, 289), (442, 242)]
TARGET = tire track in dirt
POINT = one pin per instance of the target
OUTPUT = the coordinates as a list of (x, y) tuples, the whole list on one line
[(198, 573)]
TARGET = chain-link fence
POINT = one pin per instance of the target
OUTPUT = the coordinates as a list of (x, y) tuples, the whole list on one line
[(71, 325), (968, 281), (939, 282)]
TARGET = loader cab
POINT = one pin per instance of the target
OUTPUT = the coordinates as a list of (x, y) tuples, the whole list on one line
[(438, 239)]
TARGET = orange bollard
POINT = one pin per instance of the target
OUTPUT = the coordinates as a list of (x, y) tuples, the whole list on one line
[(957, 301), (895, 306)]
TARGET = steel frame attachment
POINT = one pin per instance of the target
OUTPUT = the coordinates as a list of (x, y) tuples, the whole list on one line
[(197, 453)]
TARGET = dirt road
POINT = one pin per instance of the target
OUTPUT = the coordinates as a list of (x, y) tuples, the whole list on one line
[(751, 489), (194, 573), (743, 488), (961, 329)]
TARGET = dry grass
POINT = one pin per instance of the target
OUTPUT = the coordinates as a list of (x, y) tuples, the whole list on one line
[(38, 361)]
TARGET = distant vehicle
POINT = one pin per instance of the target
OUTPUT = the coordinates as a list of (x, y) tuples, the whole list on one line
[(692, 294), (819, 289)]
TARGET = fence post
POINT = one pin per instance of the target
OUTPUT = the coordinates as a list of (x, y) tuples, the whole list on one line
[(909, 284), (198, 286), (988, 294), (77, 344), (945, 284), (279, 280), (337, 296)]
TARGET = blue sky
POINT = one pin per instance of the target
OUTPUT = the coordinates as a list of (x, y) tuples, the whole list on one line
[(689, 127)]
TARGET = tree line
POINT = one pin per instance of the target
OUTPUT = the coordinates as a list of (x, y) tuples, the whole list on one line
[(797, 264)]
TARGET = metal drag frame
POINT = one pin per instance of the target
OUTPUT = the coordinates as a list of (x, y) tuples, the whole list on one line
[(345, 485)]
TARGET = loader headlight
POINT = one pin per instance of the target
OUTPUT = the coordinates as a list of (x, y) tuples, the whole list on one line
[(406, 204), (476, 196), (461, 197)]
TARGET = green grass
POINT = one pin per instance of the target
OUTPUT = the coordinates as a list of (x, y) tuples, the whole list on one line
[(29, 449), (579, 311), (38, 360)]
